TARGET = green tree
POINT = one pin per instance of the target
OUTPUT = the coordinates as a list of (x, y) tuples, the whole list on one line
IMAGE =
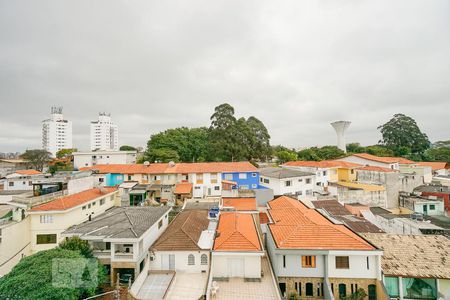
[(440, 144), (63, 153), (76, 244), (37, 158), (401, 134), (222, 132), (284, 156), (259, 143), (379, 150), (32, 278), (355, 148), (360, 294), (127, 148), (308, 154), (318, 154), (60, 166), (437, 154), (162, 155)]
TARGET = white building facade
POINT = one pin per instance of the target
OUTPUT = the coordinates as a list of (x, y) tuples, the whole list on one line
[(104, 134), (56, 132), (92, 158)]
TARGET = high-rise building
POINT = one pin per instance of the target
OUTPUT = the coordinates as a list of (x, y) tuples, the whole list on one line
[(104, 134), (56, 132)]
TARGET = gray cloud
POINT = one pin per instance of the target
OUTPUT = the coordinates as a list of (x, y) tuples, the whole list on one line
[(296, 65)]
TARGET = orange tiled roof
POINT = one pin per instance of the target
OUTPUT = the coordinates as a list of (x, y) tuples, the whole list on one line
[(377, 169), (299, 227), (384, 159), (323, 164), (28, 172), (263, 218), (183, 188), (178, 168), (240, 203), (73, 200), (236, 232), (435, 165)]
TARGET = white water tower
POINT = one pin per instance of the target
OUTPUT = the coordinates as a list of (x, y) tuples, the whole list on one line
[(341, 127)]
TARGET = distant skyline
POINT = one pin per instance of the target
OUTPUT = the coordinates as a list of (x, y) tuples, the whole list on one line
[(296, 65)]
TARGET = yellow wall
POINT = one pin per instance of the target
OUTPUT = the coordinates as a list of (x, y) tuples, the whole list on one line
[(15, 244), (345, 174)]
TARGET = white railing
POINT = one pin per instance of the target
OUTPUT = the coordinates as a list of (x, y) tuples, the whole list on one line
[(33, 201)]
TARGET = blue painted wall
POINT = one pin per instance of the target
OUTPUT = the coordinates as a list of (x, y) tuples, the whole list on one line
[(251, 182), (114, 179)]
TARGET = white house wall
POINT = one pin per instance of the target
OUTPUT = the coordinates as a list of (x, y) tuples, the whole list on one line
[(252, 264), (181, 261)]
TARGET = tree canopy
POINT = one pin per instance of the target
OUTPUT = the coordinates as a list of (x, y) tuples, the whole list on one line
[(38, 158), (127, 148), (226, 139), (32, 278), (76, 244), (322, 153), (402, 135), (63, 153)]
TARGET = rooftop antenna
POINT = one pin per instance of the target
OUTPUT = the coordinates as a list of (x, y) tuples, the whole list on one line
[(341, 127)]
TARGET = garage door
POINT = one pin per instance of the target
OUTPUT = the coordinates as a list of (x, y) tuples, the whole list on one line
[(235, 267)]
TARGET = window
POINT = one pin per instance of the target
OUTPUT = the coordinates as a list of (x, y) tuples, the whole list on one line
[(46, 218), (45, 239), (367, 261), (160, 223), (129, 177), (83, 208), (101, 179), (308, 261), (342, 290), (204, 259), (213, 177), (30, 183), (260, 179), (432, 206), (191, 260), (89, 205), (308, 180), (288, 183), (217, 188), (102, 201), (266, 180), (284, 261), (352, 171), (11, 183), (342, 262), (228, 176), (308, 192), (93, 203), (324, 173), (309, 289), (199, 178), (253, 174), (242, 175)]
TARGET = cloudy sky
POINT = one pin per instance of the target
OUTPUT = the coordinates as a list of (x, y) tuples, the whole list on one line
[(295, 65)]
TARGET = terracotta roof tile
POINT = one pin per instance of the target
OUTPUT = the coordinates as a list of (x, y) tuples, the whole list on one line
[(299, 227), (28, 172), (183, 232), (236, 232), (377, 169), (183, 188), (263, 218), (247, 204), (178, 168), (435, 165), (73, 200), (323, 164), (384, 159)]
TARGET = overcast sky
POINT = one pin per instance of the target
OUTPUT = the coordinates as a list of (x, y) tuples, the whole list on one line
[(295, 65)]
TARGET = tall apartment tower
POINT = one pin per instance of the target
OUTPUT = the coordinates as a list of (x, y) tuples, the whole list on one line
[(104, 134), (56, 132)]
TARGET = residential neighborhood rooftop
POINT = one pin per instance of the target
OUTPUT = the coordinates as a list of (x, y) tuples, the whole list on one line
[(384, 159), (417, 256), (120, 222), (184, 232), (323, 164), (435, 165), (70, 201), (281, 173), (377, 169), (183, 188), (236, 232), (176, 168), (240, 204), (298, 227), (28, 172)]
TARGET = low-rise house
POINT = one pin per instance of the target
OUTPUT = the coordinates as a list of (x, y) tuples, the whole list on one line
[(288, 181), (423, 205), (367, 159), (185, 245), (50, 219), (355, 192), (439, 191), (414, 267), (8, 166), (240, 204), (122, 236), (92, 158), (237, 249), (20, 180), (316, 259), (437, 167)]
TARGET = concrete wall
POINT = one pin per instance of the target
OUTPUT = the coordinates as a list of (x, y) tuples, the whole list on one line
[(221, 262), (390, 180), (86, 159), (371, 198), (181, 261), (78, 185), (297, 185)]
